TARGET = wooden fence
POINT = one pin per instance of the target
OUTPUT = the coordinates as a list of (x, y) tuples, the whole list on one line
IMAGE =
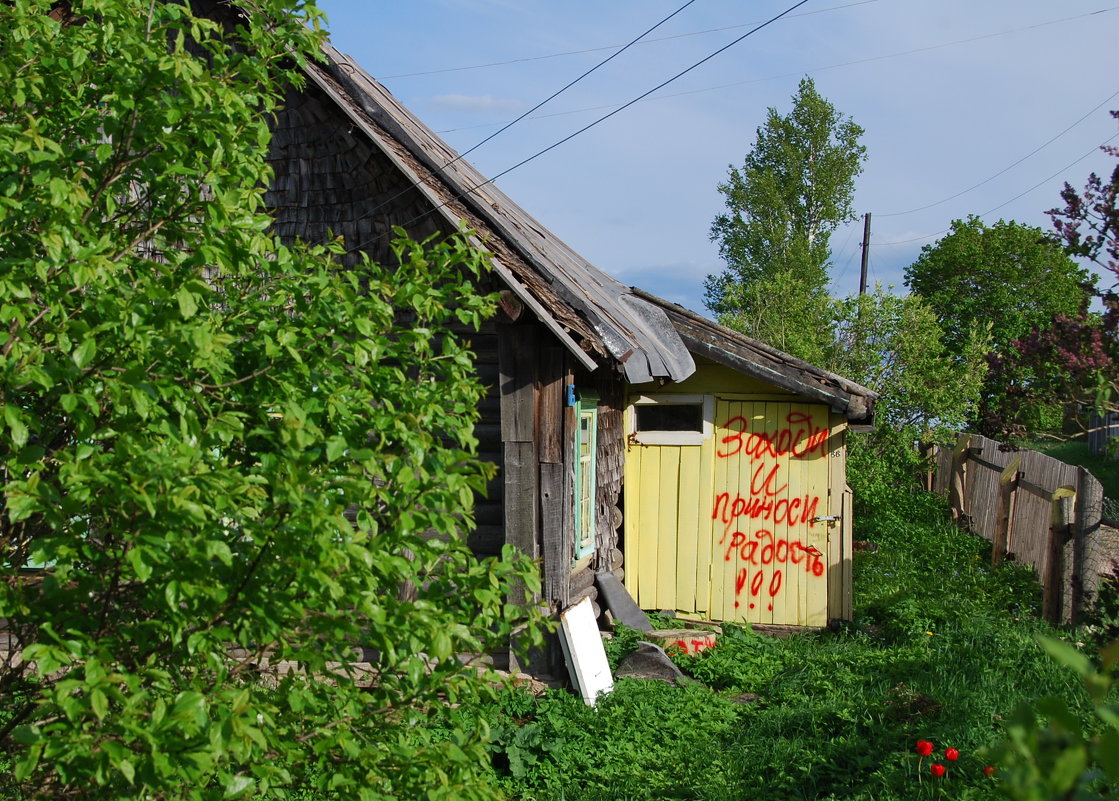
[(1103, 430), (1034, 509)]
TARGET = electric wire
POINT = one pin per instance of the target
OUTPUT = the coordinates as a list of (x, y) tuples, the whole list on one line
[(812, 71), (587, 127), (1040, 183), (548, 99), (559, 92), (1006, 169), (610, 47)]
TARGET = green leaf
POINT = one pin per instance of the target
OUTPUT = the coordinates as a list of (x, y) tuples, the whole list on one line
[(1066, 655), (335, 448), (1067, 768), (218, 549), (190, 706), (84, 353), (238, 785), (16, 428), (135, 558), (188, 303), (99, 703)]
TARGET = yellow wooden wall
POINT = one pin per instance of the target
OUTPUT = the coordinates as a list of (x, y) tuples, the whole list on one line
[(727, 529)]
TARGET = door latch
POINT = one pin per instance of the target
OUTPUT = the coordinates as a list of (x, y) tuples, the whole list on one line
[(824, 519)]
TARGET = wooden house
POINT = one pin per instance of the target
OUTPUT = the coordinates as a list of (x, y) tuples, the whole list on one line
[(633, 437)]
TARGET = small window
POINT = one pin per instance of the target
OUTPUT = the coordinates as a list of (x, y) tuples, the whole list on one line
[(586, 443), (672, 419)]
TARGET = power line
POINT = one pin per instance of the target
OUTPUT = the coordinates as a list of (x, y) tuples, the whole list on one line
[(603, 118), (1006, 169), (1050, 178), (610, 47), (1008, 202), (550, 97), (557, 93), (811, 71)]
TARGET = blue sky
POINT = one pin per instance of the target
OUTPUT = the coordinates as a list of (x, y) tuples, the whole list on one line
[(952, 95)]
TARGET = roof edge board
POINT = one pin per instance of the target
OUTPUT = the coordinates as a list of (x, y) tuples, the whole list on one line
[(852, 406), (504, 272), (674, 309), (616, 335), (521, 291)]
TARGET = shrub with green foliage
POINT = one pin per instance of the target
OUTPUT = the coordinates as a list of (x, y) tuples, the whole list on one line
[(1061, 753), (224, 452)]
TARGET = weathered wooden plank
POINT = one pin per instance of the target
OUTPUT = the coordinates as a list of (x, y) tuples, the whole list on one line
[(1087, 563), (520, 498), (705, 543), (549, 417), (648, 501), (1052, 570), (688, 520), (557, 554), (633, 523), (516, 364), (550, 404), (840, 549), (667, 530), (1008, 485)]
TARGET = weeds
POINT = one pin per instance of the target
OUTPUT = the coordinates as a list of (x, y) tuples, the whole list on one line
[(942, 649)]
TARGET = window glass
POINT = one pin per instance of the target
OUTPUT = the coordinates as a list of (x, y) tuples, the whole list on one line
[(670, 417)]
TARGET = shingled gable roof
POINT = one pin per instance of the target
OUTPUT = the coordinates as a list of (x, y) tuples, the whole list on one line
[(757, 359), (636, 334)]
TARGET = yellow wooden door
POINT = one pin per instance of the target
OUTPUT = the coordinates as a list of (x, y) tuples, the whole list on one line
[(731, 529)]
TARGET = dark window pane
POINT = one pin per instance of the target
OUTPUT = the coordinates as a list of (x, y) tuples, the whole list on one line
[(670, 417)]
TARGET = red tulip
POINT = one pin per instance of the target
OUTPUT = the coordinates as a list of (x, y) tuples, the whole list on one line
[(924, 747), (989, 770), (937, 769), (951, 754)]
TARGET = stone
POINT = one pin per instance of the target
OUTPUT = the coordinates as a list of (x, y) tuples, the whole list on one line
[(650, 661)]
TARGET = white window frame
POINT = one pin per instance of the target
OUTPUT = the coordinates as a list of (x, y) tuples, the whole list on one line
[(672, 437)]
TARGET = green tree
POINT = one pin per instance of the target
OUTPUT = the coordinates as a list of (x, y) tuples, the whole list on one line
[(225, 452), (894, 345), (794, 189), (1014, 276)]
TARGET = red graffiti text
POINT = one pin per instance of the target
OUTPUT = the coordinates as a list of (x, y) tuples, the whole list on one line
[(801, 438), (762, 550), (791, 511)]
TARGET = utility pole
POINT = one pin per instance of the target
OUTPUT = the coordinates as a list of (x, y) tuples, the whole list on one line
[(866, 253)]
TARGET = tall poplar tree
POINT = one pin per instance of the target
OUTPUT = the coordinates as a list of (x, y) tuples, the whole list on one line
[(794, 189)]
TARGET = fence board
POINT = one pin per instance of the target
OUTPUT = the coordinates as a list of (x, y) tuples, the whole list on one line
[(1017, 514)]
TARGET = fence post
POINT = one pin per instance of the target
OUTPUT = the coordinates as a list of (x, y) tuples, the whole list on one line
[(958, 479), (1060, 527), (928, 452), (1084, 576), (1008, 485)]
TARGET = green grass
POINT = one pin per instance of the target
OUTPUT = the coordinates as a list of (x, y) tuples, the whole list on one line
[(1075, 451), (942, 648)]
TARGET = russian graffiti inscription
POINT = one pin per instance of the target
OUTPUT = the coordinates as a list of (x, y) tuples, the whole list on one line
[(764, 516)]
